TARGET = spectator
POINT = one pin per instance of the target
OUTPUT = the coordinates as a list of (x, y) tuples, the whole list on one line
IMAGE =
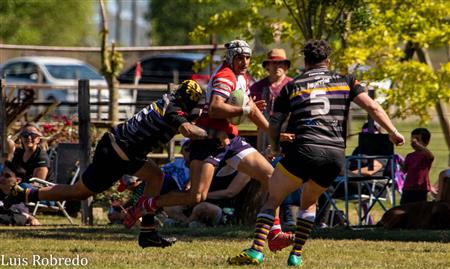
[(223, 198), (17, 214), (31, 157), (268, 88), (438, 189), (417, 167)]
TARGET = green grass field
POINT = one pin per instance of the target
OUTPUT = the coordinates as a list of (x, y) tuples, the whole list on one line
[(114, 247)]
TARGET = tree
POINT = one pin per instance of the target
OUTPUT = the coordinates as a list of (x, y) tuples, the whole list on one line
[(112, 62), (171, 21), (382, 34), (46, 22), (287, 22), (398, 31)]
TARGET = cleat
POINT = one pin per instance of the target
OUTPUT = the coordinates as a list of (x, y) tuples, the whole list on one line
[(154, 239), (134, 213), (247, 256), (16, 195), (280, 241), (294, 260)]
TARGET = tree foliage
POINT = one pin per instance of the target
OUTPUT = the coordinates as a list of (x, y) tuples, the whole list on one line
[(374, 33), (395, 28), (45, 22), (171, 21)]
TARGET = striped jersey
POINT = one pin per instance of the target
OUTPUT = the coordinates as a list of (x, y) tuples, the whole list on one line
[(223, 82), (318, 102), (150, 128)]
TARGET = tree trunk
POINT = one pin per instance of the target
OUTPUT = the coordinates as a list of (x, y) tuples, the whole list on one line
[(107, 62)]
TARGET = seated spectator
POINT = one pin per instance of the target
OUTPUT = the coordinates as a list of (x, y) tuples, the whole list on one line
[(30, 156), (438, 190), (223, 200), (16, 214)]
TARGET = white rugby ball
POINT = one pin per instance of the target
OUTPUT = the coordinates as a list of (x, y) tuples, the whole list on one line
[(238, 98)]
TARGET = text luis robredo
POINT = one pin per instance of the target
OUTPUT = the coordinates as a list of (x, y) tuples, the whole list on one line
[(41, 260)]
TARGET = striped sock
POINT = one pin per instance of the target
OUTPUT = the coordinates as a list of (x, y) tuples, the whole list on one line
[(148, 223), (263, 223), (305, 224)]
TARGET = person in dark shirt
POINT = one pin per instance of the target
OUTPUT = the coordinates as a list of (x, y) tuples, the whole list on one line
[(31, 157), (123, 150), (318, 102)]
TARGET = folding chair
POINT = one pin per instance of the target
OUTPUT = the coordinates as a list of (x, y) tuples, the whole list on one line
[(372, 147), (60, 205), (340, 180)]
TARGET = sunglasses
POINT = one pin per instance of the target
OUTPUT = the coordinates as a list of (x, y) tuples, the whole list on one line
[(28, 134)]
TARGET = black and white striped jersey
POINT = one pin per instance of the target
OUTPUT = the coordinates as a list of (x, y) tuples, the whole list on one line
[(151, 127), (318, 102)]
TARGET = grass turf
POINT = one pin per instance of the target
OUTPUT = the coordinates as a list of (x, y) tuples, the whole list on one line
[(114, 247)]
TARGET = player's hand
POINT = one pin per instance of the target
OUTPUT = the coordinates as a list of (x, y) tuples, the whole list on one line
[(397, 138), (287, 137), (260, 104), (192, 131)]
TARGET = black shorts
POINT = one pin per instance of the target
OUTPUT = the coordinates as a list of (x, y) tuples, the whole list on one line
[(107, 167), (315, 162)]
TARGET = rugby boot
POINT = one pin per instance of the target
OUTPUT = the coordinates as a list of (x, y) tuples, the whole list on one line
[(154, 239), (247, 256), (294, 260), (280, 241)]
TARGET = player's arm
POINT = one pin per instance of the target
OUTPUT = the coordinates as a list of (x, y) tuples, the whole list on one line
[(178, 118), (236, 186), (276, 121), (219, 109), (281, 110), (380, 116)]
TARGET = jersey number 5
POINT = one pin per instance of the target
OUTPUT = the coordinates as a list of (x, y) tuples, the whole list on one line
[(319, 97)]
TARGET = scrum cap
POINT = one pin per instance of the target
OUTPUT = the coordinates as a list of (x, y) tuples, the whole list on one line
[(236, 47)]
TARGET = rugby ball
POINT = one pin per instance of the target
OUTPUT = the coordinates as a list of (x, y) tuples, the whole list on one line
[(238, 98)]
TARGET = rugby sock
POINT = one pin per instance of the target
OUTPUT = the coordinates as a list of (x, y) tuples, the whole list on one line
[(264, 221), (305, 224), (148, 223), (150, 205), (275, 229)]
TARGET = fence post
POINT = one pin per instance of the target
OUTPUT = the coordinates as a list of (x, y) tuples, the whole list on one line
[(84, 117), (3, 131)]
